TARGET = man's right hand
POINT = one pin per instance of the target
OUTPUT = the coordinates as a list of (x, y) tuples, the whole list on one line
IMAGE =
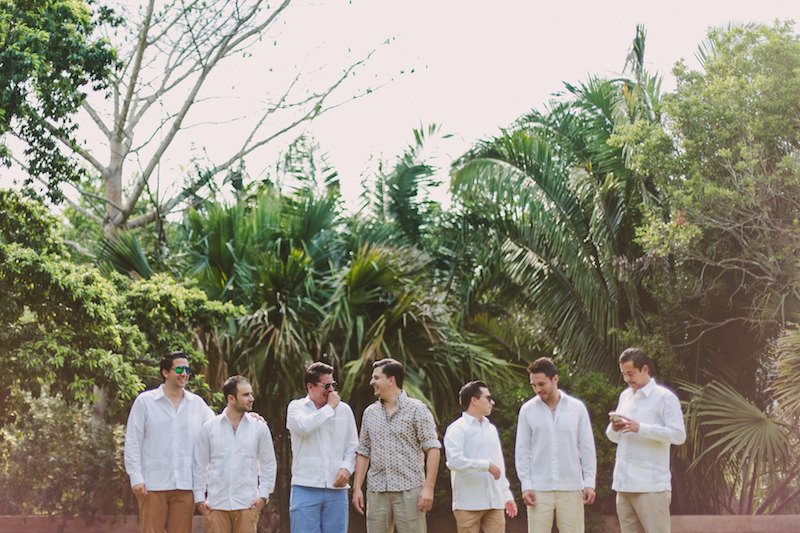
[(204, 508), (358, 500), (494, 470), (140, 491), (529, 497), (333, 399)]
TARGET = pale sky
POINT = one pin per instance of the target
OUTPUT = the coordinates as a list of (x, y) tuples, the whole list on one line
[(477, 65)]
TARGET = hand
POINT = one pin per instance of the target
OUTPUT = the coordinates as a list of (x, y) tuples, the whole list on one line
[(140, 491), (333, 399), (494, 470), (257, 417), (358, 500), (588, 496), (342, 476), (626, 426), (204, 508), (425, 501), (619, 426), (258, 504), (511, 508), (529, 497)]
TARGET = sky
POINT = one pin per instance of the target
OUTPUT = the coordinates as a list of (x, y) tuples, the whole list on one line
[(470, 66)]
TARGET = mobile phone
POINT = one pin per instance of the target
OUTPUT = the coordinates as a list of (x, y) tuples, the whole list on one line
[(615, 417)]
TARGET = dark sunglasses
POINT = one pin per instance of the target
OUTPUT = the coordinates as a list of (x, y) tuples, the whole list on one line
[(327, 386), (181, 369)]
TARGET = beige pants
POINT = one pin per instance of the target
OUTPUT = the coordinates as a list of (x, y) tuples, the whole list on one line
[(169, 510), (644, 512), (567, 506), (241, 521), (387, 510), (488, 521)]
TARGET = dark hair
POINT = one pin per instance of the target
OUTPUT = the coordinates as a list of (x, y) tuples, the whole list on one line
[(167, 360), (391, 368), (638, 356), (231, 386), (469, 391), (543, 365), (315, 371)]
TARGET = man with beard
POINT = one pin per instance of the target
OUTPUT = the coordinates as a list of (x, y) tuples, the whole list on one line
[(324, 441), (234, 464), (159, 438), (477, 468), (397, 434), (555, 454)]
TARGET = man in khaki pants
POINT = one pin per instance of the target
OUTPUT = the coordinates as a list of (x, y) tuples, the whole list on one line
[(647, 420), (234, 464), (162, 427), (477, 469), (555, 454)]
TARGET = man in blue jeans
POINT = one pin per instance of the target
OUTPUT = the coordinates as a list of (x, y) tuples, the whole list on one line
[(324, 442)]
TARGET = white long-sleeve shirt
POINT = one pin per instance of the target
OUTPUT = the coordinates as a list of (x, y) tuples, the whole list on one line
[(471, 446), (234, 469), (323, 441), (642, 463), (555, 450), (159, 439)]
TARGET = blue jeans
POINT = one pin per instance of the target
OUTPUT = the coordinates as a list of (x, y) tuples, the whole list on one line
[(313, 510)]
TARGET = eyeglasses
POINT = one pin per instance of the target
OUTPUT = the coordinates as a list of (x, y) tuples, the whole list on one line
[(488, 397), (328, 386), (182, 369)]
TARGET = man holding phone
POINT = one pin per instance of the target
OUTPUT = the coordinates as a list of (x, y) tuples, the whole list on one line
[(647, 420)]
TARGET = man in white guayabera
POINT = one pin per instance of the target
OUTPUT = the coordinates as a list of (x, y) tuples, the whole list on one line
[(647, 420)]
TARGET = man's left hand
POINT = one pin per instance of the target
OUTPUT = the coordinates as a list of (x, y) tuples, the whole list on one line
[(511, 508), (342, 477), (631, 426), (425, 501), (588, 496), (258, 504)]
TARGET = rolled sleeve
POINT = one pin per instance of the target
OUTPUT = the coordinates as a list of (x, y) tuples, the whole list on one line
[(426, 429)]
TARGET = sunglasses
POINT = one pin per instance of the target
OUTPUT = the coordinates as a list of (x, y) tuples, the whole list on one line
[(488, 397), (182, 369), (328, 386)]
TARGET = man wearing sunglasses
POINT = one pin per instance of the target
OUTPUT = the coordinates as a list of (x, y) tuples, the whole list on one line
[(162, 428), (234, 464), (477, 469), (555, 454), (324, 442)]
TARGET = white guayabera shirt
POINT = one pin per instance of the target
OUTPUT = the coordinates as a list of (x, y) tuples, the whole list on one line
[(234, 468), (642, 463), (555, 450), (323, 441), (159, 439), (470, 447)]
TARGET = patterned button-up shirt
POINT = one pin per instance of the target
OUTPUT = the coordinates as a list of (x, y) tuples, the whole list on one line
[(396, 444)]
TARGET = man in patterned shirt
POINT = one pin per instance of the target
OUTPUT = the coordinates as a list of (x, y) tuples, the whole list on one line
[(397, 434)]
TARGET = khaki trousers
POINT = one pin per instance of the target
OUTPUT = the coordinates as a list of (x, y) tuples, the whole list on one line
[(387, 510), (240, 521), (644, 512), (566, 505), (488, 521), (169, 510)]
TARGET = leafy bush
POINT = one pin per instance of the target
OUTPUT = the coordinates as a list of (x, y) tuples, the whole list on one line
[(58, 459)]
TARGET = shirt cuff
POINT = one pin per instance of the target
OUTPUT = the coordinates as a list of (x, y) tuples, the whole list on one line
[(526, 485), (136, 479), (432, 443), (362, 450), (263, 493), (199, 496), (483, 464), (589, 484)]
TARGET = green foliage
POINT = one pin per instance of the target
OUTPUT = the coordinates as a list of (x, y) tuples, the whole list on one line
[(58, 459), (47, 55)]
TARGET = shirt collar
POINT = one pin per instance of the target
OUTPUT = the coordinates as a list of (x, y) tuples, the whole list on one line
[(224, 415), (648, 389), (469, 419)]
